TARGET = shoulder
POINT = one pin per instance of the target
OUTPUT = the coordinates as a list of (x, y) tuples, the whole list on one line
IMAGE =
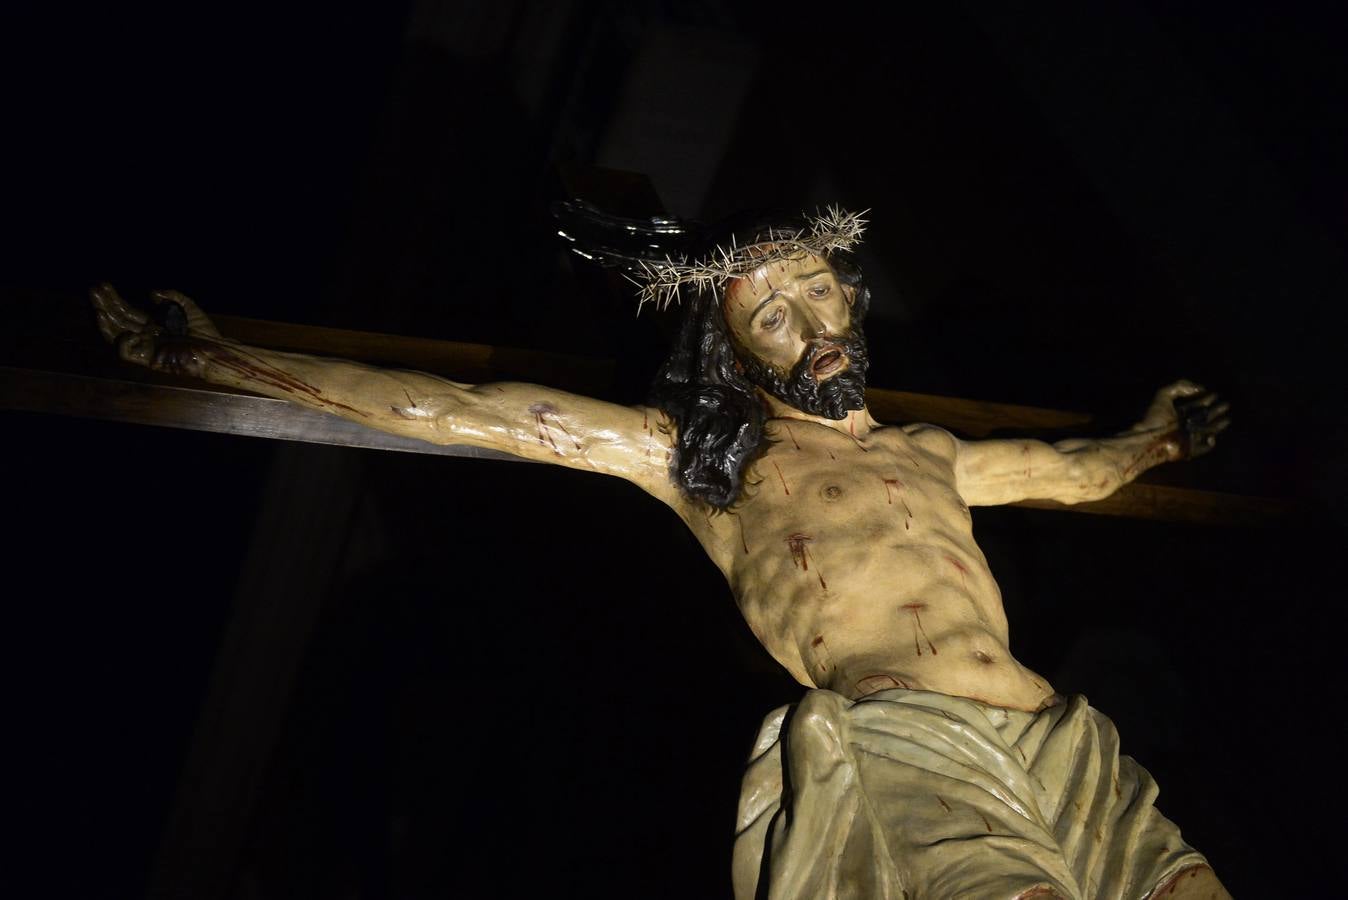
[(932, 438)]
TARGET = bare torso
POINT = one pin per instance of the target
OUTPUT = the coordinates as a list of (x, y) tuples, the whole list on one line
[(854, 563), (850, 550)]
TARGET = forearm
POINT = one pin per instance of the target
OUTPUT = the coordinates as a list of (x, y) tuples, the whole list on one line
[(527, 420), (1096, 468), (389, 400)]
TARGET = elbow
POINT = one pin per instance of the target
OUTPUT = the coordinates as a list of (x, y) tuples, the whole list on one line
[(1087, 483)]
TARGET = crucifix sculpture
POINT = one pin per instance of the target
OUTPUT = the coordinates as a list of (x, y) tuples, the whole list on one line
[(924, 759)]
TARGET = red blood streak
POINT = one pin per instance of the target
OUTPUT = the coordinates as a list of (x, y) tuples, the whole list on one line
[(944, 805), (645, 420), (790, 435), (986, 822), (1149, 450), (800, 555), (545, 436), (567, 433), (249, 366), (1026, 450), (916, 464), (918, 629), (963, 571), (831, 456), (742, 540), (779, 475), (817, 641), (908, 520)]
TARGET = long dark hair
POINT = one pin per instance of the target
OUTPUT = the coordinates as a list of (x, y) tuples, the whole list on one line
[(716, 410)]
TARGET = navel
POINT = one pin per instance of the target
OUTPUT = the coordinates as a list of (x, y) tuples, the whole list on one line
[(831, 492)]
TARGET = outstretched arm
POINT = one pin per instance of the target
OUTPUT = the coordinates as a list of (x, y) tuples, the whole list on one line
[(1182, 422), (526, 420)]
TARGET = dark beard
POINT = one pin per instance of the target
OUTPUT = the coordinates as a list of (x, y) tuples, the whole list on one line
[(834, 398)]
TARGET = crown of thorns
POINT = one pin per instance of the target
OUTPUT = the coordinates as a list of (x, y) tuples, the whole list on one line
[(662, 281)]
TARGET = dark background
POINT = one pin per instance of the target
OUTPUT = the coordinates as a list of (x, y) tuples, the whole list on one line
[(460, 677)]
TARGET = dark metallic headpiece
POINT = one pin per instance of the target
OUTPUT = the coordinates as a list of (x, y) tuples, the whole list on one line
[(661, 255)]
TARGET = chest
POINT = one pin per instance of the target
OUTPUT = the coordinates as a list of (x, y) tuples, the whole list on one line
[(807, 481)]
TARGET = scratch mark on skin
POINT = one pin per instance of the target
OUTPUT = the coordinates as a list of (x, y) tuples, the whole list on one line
[(821, 653), (918, 629), (791, 435), (963, 571), (986, 823), (782, 477), (945, 806), (913, 459), (800, 555)]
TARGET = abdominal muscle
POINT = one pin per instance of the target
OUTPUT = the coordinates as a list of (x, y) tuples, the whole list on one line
[(966, 661), (931, 635)]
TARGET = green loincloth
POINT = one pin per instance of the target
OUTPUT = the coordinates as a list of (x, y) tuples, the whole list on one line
[(913, 794)]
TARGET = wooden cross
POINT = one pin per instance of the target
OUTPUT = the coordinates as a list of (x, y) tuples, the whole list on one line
[(55, 362)]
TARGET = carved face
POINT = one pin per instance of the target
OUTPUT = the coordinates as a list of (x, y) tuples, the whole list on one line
[(791, 323)]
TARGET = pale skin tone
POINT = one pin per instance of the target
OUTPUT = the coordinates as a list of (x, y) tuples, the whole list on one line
[(850, 554)]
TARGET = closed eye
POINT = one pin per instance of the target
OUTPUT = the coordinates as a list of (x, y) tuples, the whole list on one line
[(772, 319)]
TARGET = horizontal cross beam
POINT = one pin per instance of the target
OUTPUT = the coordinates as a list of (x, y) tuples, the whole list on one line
[(68, 371)]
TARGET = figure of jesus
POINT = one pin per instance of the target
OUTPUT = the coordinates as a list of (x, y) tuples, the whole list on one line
[(924, 759)]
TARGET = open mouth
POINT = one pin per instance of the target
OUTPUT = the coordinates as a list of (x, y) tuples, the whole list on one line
[(828, 362)]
